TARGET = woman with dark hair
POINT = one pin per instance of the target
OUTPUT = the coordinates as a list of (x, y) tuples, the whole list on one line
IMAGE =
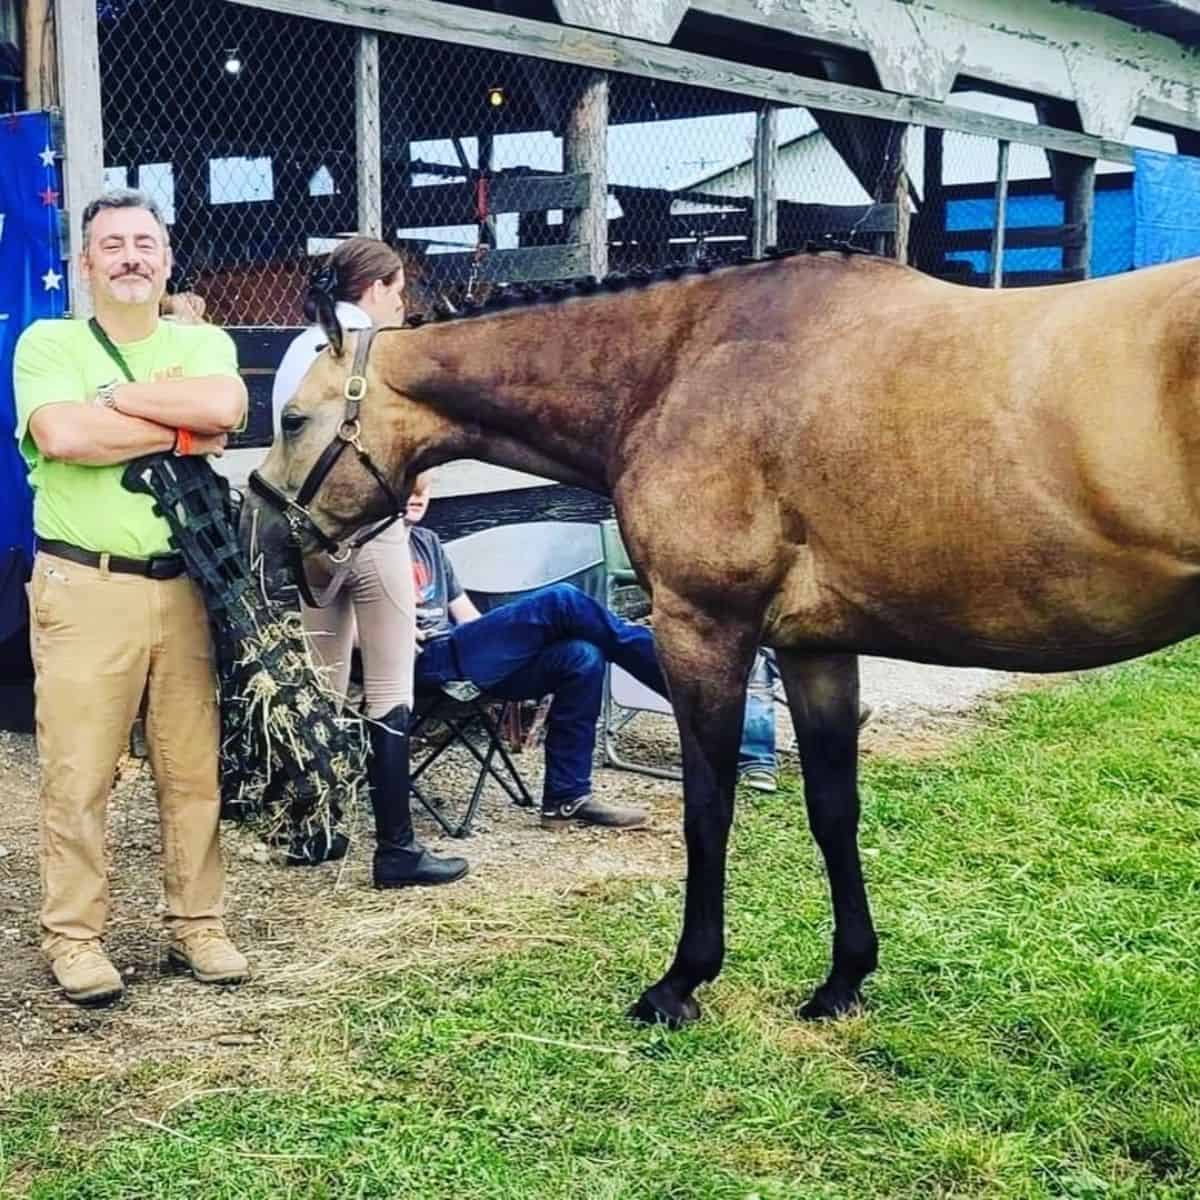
[(362, 284)]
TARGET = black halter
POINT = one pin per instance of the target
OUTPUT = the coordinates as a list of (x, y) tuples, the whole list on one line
[(295, 511)]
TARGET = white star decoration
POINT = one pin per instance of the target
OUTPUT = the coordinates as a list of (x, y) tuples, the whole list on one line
[(47, 157), (51, 280)]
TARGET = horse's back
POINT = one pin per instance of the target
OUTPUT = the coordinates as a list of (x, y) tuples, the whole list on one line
[(901, 465)]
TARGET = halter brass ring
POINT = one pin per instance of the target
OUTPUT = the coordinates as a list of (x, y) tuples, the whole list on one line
[(349, 432)]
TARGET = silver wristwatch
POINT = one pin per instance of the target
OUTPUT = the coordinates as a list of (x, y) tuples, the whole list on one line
[(106, 395)]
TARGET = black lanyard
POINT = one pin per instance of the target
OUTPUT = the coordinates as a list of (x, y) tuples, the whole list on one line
[(110, 348)]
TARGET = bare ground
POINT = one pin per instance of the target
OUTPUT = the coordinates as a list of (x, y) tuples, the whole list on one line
[(311, 933)]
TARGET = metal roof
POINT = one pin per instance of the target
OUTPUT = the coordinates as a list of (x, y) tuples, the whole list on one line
[(1178, 19)]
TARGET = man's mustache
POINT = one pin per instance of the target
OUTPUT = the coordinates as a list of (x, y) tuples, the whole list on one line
[(130, 275)]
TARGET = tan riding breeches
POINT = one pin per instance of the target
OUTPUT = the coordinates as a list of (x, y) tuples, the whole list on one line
[(375, 598), (100, 640)]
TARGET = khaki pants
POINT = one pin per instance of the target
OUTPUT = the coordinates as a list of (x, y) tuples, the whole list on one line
[(100, 640), (375, 599)]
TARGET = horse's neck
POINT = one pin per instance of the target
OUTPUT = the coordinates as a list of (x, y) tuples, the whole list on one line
[(540, 389)]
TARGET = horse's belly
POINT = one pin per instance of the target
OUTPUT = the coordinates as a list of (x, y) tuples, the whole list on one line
[(987, 619)]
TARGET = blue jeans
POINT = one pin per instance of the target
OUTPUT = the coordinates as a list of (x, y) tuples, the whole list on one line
[(758, 728), (556, 640)]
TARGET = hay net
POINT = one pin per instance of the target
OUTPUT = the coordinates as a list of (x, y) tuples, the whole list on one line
[(290, 761)]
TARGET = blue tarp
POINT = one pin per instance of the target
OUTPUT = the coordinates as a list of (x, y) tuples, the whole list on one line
[(1166, 201), (1112, 230), (31, 286)]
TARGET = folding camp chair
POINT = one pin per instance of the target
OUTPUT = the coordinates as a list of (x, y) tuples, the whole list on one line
[(624, 696), (495, 566)]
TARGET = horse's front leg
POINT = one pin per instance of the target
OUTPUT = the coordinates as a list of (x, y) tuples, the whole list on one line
[(823, 697), (707, 665)]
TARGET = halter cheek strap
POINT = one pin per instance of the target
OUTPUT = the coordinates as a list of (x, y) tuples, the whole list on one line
[(295, 511)]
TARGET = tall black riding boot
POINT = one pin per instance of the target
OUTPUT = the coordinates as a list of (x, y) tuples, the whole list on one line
[(400, 860)]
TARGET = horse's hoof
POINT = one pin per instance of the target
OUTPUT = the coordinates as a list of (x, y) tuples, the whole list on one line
[(828, 1003), (656, 1007)]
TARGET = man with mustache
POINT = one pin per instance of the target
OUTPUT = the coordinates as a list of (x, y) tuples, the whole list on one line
[(112, 613)]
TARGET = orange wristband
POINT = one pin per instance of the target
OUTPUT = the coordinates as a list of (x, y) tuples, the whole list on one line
[(183, 441)]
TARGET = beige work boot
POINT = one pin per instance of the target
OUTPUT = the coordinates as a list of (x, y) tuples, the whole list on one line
[(210, 956), (587, 810), (84, 973)]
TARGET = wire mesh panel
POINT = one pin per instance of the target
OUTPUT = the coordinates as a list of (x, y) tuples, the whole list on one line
[(265, 137), (843, 180), (235, 119), (478, 188), (965, 217), (681, 174)]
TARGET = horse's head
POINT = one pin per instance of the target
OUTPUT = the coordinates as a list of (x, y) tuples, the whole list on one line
[(342, 461)]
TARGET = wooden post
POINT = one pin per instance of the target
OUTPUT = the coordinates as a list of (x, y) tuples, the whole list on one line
[(191, 238), (766, 163), (1001, 207), (900, 198), (931, 255), (585, 152), (487, 227), (41, 73), (1079, 209), (368, 136), (83, 133)]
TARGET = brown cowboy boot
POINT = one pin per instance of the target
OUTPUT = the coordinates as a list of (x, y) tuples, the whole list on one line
[(587, 810)]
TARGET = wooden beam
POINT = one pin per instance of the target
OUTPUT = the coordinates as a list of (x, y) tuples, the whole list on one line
[(1012, 279), (41, 71), (486, 157), (517, 35), (766, 168), (682, 227), (1017, 237), (1041, 278), (1002, 156), (931, 215), (1080, 208), (368, 137), (832, 219), (896, 191), (528, 264), (83, 134), (454, 203), (585, 152)]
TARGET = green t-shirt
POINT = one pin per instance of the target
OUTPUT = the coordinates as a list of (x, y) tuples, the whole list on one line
[(61, 361)]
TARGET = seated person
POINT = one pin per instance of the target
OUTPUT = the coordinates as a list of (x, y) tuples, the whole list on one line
[(756, 756), (556, 640)]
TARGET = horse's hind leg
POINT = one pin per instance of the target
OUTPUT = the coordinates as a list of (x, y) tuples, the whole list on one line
[(823, 697), (707, 664)]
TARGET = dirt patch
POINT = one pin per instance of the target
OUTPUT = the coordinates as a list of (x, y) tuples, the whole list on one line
[(311, 933), (307, 931)]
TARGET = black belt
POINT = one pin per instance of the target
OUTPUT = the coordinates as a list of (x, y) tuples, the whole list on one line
[(158, 566)]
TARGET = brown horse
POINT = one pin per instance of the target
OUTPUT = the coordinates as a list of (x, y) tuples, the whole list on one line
[(834, 456)]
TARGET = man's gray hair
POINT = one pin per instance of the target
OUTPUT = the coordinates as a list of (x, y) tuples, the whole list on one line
[(122, 198)]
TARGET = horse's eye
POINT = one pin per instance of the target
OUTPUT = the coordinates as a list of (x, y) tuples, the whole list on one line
[(292, 422)]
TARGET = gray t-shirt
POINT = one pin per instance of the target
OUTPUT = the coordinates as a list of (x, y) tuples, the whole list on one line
[(434, 581)]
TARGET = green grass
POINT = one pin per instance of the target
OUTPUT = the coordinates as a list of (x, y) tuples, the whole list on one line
[(1034, 1029)]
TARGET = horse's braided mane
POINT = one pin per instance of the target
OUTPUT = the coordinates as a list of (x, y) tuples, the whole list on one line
[(524, 295)]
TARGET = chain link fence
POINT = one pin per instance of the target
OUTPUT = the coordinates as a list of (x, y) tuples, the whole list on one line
[(267, 136)]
